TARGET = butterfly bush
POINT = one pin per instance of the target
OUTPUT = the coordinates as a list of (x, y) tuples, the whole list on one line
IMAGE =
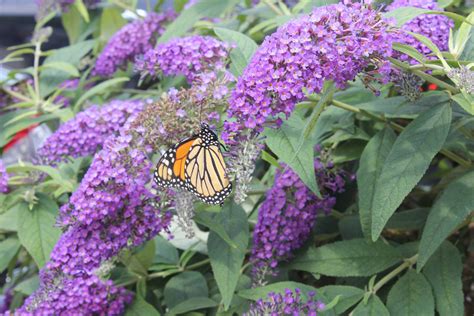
[(188, 56), (335, 42), (3, 178), (96, 125), (433, 26), (288, 213), (113, 208), (77, 296), (130, 41), (290, 303)]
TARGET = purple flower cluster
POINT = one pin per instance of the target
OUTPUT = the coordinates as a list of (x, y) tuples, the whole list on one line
[(3, 178), (111, 210), (7, 299), (77, 296), (84, 247), (130, 41), (87, 131), (287, 215), (186, 56), (291, 303), (334, 42), (435, 27)]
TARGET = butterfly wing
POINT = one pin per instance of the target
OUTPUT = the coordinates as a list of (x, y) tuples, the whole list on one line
[(197, 165), (170, 168), (206, 173)]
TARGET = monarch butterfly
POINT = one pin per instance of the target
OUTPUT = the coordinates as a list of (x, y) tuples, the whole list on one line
[(197, 165)]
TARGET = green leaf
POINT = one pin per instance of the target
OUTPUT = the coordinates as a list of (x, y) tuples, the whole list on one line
[(187, 18), (410, 51), (407, 161), (411, 295), (306, 138), (454, 205), (348, 296), (410, 219), (28, 286), (405, 14), (98, 89), (462, 36), (140, 262), (73, 24), (226, 261), (444, 271), (371, 162), (184, 286), (8, 249), (463, 102), (444, 3), (111, 21), (355, 257), (244, 51), (192, 304), (214, 225), (51, 78), (284, 143), (165, 251), (81, 8), (141, 307), (36, 228), (374, 307), (9, 219), (62, 66)]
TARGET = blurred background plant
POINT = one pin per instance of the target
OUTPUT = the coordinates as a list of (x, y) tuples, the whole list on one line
[(350, 143)]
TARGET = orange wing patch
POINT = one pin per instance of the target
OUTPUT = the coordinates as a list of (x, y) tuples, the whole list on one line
[(181, 155)]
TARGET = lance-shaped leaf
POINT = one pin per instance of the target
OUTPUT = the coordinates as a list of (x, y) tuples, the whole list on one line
[(407, 162), (371, 162), (355, 257), (444, 270), (411, 295), (226, 261)]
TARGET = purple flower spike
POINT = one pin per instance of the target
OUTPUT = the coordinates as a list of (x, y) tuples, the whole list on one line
[(3, 178), (435, 27), (130, 41), (87, 131), (334, 42), (188, 56), (86, 295), (288, 214), (289, 303)]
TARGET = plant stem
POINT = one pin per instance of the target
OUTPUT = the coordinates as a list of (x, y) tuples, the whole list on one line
[(36, 74), (447, 153), (408, 263)]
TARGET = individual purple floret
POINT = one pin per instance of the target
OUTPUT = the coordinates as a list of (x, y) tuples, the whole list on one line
[(290, 303), (86, 295), (287, 216), (334, 42), (188, 56), (87, 131), (435, 27), (130, 41), (3, 178)]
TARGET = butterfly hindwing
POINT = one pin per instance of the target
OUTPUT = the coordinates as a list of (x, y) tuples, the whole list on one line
[(197, 165)]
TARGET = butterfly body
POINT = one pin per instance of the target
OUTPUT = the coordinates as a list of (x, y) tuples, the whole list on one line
[(197, 165)]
